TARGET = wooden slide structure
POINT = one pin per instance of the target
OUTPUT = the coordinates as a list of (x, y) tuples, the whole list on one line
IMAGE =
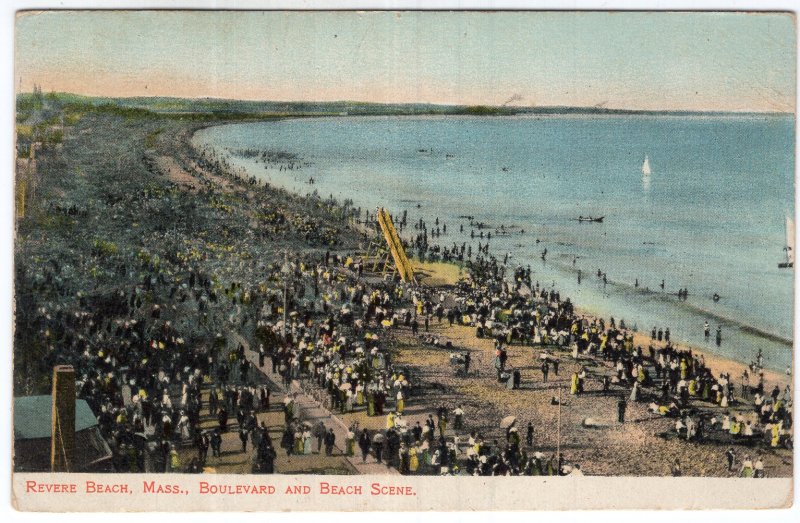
[(401, 261)]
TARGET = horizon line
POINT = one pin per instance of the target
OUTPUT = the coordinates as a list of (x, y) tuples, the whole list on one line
[(435, 104)]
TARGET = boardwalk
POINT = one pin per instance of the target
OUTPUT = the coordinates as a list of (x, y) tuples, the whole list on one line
[(233, 461)]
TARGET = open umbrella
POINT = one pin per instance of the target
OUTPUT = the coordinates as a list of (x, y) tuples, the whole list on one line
[(507, 422)]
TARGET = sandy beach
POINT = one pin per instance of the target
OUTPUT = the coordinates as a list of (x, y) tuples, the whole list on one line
[(228, 221), (645, 446)]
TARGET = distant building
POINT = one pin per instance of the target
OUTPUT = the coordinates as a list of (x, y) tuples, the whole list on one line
[(33, 429)]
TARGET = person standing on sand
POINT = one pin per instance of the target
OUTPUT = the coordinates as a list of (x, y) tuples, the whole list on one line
[(730, 455), (621, 406), (677, 471), (758, 467), (458, 417), (529, 435), (707, 329), (636, 392), (545, 371), (747, 468), (442, 421)]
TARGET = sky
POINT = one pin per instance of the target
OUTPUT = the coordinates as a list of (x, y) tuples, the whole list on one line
[(659, 61)]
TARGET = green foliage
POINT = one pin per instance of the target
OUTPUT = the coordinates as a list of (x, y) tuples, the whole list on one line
[(150, 139), (485, 110), (104, 248)]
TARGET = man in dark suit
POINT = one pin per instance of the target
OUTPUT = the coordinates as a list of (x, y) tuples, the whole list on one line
[(364, 444), (330, 439)]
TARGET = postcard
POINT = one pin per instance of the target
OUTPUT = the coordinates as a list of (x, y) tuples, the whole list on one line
[(403, 260)]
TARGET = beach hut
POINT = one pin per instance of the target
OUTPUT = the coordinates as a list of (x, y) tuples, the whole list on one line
[(33, 429)]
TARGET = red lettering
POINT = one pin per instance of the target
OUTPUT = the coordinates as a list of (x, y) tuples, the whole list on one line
[(151, 487), (100, 488), (339, 490), (210, 488), (376, 489), (51, 488)]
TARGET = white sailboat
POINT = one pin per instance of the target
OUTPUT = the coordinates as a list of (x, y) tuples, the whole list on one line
[(789, 248), (646, 174)]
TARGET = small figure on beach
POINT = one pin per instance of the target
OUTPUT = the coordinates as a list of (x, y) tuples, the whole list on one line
[(730, 456), (621, 406), (707, 329)]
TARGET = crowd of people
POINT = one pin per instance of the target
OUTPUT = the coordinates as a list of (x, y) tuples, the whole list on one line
[(158, 343)]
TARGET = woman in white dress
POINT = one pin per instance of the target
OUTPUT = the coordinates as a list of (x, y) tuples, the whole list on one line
[(635, 392), (307, 441), (183, 425)]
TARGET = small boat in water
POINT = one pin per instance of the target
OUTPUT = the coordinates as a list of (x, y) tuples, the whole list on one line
[(789, 248), (590, 219), (646, 166)]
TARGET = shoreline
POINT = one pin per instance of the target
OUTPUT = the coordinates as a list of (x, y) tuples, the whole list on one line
[(725, 320), (716, 362), (746, 333)]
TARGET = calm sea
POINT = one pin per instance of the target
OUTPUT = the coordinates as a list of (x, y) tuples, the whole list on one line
[(709, 217)]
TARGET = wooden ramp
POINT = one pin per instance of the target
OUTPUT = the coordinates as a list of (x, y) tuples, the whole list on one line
[(398, 253)]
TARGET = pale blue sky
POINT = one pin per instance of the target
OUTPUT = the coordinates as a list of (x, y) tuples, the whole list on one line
[(714, 61)]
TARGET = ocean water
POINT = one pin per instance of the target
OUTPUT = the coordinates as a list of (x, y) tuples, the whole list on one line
[(709, 218)]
